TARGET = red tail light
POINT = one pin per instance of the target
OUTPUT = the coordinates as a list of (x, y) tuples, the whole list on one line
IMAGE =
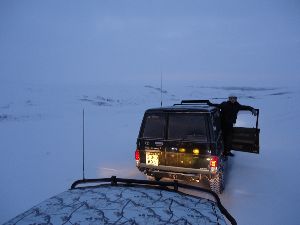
[(214, 161), (137, 155)]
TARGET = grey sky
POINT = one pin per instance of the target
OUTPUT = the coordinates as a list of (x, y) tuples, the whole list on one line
[(252, 42)]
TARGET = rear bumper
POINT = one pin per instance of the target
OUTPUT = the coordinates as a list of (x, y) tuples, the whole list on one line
[(173, 170)]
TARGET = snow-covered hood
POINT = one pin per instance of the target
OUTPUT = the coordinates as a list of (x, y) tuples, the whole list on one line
[(122, 204)]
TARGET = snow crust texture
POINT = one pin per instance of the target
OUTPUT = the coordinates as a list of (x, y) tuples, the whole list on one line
[(122, 205)]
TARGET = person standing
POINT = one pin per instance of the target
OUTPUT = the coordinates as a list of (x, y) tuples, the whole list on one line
[(229, 111)]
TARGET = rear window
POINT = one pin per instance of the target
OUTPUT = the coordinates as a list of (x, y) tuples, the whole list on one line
[(181, 126), (154, 126), (187, 127)]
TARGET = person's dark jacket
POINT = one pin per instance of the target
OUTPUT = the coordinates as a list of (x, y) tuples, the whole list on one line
[(230, 110)]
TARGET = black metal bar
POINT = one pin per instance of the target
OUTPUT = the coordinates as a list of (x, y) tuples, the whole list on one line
[(257, 110), (77, 182), (196, 102), (114, 181), (83, 153), (175, 185)]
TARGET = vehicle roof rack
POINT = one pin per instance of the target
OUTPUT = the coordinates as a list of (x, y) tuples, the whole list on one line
[(195, 102)]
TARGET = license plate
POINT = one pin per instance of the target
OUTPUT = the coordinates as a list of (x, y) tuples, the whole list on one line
[(152, 158)]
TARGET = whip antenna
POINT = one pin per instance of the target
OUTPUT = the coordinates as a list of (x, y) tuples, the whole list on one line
[(83, 144), (161, 88)]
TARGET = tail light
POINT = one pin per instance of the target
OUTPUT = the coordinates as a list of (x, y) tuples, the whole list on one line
[(137, 155), (213, 163)]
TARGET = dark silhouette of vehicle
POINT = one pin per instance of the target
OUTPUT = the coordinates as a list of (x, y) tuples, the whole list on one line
[(185, 142)]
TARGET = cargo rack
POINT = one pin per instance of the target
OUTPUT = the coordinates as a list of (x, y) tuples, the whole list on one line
[(195, 102)]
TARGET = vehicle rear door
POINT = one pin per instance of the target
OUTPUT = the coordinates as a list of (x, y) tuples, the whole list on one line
[(246, 139), (186, 132)]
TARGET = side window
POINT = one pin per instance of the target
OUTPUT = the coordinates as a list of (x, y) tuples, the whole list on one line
[(216, 123), (217, 131)]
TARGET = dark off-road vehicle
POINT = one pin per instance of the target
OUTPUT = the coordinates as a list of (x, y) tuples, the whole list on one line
[(185, 142)]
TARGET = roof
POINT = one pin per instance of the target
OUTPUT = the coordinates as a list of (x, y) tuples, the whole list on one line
[(188, 106)]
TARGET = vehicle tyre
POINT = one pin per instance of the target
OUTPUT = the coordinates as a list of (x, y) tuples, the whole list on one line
[(157, 178), (217, 183), (151, 178)]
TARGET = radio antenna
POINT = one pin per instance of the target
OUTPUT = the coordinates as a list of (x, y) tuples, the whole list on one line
[(161, 87), (83, 177)]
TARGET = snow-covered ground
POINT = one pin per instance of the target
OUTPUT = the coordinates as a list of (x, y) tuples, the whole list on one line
[(41, 143)]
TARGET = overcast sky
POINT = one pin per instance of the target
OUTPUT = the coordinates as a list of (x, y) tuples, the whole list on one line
[(247, 42)]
